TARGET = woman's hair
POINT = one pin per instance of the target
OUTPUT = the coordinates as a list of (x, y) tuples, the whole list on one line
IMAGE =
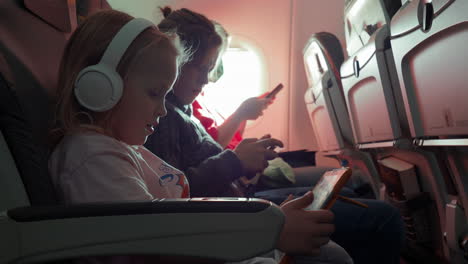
[(197, 33), (86, 47)]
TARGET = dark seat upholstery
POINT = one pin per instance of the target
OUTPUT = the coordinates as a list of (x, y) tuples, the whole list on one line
[(34, 34), (31, 47)]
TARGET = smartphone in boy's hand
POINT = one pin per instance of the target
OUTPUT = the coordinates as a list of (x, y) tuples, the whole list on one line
[(275, 91)]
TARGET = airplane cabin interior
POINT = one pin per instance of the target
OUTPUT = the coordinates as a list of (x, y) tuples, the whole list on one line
[(379, 86)]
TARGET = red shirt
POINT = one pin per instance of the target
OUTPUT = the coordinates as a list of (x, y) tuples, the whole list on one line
[(208, 120)]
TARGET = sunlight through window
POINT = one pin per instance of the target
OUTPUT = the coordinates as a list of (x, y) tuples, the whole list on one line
[(242, 79)]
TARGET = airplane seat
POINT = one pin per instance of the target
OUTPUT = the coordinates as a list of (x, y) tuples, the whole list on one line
[(28, 65), (428, 40), (323, 56), (29, 71), (368, 73), (363, 18), (380, 126), (36, 227), (29, 68)]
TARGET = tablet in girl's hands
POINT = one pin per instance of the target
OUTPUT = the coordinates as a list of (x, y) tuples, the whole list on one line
[(327, 189)]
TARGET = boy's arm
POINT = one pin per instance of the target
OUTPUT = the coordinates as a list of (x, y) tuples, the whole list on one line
[(242, 127), (228, 128), (214, 175), (187, 147), (250, 109), (165, 142)]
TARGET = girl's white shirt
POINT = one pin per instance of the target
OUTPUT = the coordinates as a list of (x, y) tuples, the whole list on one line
[(92, 167)]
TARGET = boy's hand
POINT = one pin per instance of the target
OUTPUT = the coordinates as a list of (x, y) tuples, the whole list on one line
[(270, 100), (254, 153), (304, 232), (252, 108)]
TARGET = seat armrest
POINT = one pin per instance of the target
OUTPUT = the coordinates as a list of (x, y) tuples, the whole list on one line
[(159, 206), (212, 228)]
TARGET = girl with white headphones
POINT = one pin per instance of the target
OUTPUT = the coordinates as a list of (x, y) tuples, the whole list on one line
[(115, 73), (114, 76)]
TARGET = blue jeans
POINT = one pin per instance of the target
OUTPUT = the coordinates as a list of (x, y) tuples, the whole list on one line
[(369, 235)]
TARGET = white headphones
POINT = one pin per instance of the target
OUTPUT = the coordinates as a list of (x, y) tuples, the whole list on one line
[(99, 87)]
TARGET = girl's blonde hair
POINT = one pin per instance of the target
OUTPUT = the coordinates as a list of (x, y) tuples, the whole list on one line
[(86, 47)]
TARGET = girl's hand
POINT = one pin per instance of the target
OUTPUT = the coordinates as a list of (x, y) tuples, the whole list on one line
[(304, 232)]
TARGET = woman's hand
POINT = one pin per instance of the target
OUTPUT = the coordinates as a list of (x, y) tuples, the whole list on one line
[(304, 232)]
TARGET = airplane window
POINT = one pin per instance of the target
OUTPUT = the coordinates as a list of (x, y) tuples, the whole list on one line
[(242, 78)]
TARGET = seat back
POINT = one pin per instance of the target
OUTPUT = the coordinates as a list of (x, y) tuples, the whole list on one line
[(429, 43), (363, 18), (369, 78), (432, 65), (380, 126), (327, 109), (323, 56), (34, 34)]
